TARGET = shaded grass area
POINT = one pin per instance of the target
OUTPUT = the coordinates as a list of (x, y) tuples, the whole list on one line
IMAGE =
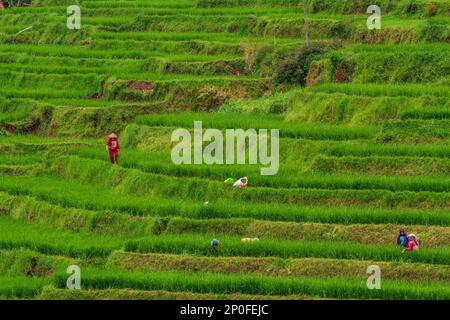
[(22, 262), (383, 165), (305, 267), (62, 218), (51, 293), (15, 234), (206, 283), (85, 170), (345, 173), (243, 121), (430, 236), (373, 90), (198, 245), (21, 286), (111, 223), (70, 194), (367, 150)]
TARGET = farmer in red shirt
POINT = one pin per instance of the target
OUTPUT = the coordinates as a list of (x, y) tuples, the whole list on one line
[(112, 145)]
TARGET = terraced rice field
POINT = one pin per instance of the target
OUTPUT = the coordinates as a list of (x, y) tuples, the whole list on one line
[(364, 149)]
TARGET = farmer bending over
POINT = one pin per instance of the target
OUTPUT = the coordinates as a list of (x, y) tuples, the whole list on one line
[(413, 244), (241, 183), (215, 244), (112, 145)]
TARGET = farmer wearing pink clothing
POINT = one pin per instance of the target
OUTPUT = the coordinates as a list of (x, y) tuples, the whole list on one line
[(112, 146), (413, 244)]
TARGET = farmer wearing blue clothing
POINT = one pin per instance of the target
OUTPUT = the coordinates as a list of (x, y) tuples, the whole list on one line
[(215, 244), (402, 238)]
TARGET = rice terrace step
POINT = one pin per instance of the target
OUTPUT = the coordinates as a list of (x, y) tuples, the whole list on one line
[(226, 156)]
